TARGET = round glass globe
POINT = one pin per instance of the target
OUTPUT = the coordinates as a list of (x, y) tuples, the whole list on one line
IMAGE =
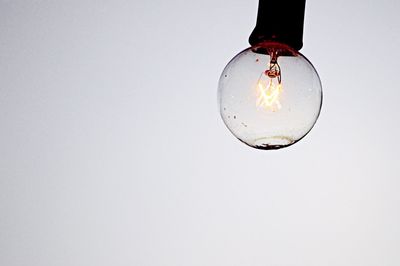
[(270, 96)]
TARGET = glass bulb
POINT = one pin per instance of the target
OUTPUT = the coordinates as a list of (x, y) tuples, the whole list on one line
[(269, 96)]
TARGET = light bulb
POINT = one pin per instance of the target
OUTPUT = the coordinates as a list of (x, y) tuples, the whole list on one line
[(269, 96)]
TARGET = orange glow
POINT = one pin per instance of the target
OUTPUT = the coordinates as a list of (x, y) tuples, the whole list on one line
[(268, 95)]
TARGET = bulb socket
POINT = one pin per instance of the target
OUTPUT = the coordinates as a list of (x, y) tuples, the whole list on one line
[(280, 21)]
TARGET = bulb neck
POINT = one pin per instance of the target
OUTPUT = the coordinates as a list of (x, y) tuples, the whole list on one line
[(280, 21)]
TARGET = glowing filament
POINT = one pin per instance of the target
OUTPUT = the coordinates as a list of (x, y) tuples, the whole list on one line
[(268, 95)]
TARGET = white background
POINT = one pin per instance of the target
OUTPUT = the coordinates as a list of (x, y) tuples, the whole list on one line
[(112, 151)]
